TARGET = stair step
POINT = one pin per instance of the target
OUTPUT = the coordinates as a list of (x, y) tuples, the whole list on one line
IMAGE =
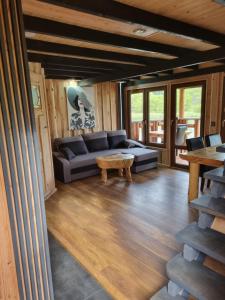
[(197, 280), (207, 241), (163, 295), (216, 175), (210, 205)]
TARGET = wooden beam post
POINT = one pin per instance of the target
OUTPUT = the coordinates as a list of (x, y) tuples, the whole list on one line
[(181, 104), (21, 172)]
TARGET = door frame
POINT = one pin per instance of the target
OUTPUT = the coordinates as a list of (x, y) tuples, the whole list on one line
[(174, 87), (222, 128), (128, 108), (152, 89)]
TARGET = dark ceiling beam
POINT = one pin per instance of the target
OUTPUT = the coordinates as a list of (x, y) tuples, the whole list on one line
[(122, 12), (209, 55), (65, 69), (194, 67), (70, 61), (44, 26), (180, 75), (72, 68), (61, 77), (67, 73), (41, 46)]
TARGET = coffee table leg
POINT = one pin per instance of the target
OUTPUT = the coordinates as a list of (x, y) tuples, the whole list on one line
[(128, 175), (120, 171), (104, 175)]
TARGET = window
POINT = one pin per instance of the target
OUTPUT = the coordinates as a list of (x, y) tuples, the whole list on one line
[(156, 116), (147, 116), (137, 116)]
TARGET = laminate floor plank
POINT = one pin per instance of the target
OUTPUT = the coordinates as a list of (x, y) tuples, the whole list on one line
[(122, 233)]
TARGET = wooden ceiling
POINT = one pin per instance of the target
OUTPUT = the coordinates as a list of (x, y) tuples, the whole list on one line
[(125, 38)]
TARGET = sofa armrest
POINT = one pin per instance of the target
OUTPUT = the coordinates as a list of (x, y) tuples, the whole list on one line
[(137, 144), (62, 168)]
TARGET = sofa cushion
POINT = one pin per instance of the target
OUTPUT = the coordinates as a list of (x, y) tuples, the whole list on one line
[(76, 144), (90, 158), (67, 153), (141, 154), (116, 138), (96, 141)]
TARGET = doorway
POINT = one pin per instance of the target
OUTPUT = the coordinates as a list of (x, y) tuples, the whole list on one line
[(137, 116), (223, 115), (147, 116), (187, 118)]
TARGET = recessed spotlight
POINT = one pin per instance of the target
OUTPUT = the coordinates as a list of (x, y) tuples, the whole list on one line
[(139, 31)]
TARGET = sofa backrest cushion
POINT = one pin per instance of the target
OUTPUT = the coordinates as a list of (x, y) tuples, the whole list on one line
[(76, 144), (96, 141), (116, 138), (67, 153)]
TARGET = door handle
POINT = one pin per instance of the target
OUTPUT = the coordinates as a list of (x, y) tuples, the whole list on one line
[(223, 122)]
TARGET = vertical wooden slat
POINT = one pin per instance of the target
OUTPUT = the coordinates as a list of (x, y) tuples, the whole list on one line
[(19, 152), (8, 279), (113, 105)]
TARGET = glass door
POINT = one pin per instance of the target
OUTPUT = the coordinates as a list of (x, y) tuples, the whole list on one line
[(156, 120), (187, 117), (137, 116)]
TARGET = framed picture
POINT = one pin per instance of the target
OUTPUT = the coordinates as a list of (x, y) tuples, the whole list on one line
[(81, 112), (36, 96)]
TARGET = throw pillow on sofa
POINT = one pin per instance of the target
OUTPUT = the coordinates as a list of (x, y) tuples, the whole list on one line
[(127, 144), (67, 153), (116, 138), (96, 141), (76, 145)]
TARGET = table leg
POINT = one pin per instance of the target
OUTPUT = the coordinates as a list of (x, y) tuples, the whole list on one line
[(104, 175), (128, 174), (193, 181), (120, 171)]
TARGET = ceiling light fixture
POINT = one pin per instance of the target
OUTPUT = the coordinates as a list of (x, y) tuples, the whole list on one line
[(139, 31)]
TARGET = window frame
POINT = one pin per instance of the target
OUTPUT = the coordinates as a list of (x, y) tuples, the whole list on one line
[(136, 91), (147, 91), (174, 87)]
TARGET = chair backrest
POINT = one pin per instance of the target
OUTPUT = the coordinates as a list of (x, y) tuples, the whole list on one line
[(180, 135), (213, 140), (195, 143)]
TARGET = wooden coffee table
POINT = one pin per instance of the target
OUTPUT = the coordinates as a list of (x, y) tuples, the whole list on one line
[(117, 161)]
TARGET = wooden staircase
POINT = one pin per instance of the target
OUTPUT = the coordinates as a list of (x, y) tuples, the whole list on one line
[(188, 276)]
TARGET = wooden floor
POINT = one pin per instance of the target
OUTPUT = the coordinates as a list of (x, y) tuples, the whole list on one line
[(123, 234)]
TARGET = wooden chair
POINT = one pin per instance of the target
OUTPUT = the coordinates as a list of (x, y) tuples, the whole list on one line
[(213, 140), (180, 136), (195, 144)]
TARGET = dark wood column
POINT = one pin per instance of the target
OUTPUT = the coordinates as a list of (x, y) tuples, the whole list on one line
[(20, 159)]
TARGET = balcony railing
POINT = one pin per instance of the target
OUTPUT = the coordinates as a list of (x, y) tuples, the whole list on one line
[(156, 129)]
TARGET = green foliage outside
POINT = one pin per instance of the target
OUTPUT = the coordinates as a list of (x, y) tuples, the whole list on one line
[(192, 105)]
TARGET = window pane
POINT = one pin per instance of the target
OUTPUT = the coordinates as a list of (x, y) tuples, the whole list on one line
[(156, 116), (137, 116), (188, 118)]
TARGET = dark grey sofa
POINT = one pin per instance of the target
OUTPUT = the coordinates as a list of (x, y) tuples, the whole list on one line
[(88, 147)]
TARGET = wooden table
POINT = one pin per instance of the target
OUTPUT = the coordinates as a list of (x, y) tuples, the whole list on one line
[(206, 156), (117, 161)]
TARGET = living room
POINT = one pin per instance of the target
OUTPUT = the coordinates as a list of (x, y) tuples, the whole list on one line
[(112, 154)]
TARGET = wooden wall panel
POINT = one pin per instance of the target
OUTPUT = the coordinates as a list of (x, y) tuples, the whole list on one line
[(8, 278), (213, 104), (43, 130), (20, 159), (106, 108)]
